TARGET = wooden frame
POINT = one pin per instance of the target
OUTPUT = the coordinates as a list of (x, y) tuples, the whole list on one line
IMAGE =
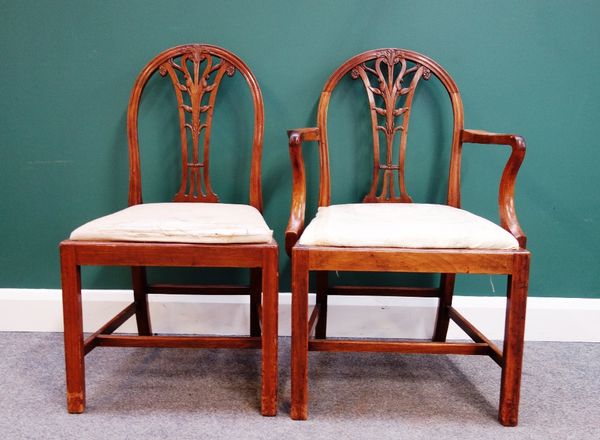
[(198, 66), (391, 68)]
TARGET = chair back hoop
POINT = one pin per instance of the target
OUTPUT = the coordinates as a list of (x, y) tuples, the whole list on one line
[(196, 71), (390, 77)]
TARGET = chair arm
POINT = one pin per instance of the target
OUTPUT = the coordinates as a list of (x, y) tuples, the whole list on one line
[(506, 194), (296, 222)]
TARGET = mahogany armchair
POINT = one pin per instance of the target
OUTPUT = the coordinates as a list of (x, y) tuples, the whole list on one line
[(194, 230), (389, 233)]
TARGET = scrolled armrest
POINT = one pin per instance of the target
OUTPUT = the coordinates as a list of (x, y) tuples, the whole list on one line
[(305, 134), (296, 222), (506, 193)]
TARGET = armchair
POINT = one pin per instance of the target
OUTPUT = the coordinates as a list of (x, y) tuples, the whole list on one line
[(390, 233)]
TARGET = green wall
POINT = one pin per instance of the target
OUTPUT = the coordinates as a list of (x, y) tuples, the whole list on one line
[(530, 68)]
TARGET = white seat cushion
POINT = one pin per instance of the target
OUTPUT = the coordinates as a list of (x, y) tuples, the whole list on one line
[(179, 223), (406, 225)]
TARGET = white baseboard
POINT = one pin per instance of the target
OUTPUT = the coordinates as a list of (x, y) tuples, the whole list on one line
[(548, 319)]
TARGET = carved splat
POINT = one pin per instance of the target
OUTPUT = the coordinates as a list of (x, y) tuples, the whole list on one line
[(390, 84), (196, 77)]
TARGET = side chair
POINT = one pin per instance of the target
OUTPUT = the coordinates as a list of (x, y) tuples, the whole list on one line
[(192, 230)]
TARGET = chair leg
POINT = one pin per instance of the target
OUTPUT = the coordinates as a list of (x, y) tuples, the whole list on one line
[(270, 311), (140, 296), (321, 327), (299, 407), (514, 333), (73, 330), (255, 291), (443, 318)]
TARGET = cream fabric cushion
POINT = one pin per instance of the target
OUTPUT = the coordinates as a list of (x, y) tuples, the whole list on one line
[(406, 225), (180, 223)]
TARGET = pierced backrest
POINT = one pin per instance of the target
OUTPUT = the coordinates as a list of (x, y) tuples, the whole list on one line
[(390, 78), (196, 72)]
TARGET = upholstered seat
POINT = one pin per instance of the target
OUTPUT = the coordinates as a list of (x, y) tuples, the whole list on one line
[(406, 225), (179, 223)]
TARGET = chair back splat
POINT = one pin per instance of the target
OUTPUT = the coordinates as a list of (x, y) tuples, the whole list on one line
[(196, 72), (390, 77)]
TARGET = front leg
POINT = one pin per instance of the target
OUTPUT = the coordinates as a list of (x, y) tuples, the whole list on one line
[(514, 334), (269, 331), (73, 330), (299, 409)]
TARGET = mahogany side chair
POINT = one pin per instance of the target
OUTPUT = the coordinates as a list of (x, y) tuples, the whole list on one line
[(193, 230), (389, 233)]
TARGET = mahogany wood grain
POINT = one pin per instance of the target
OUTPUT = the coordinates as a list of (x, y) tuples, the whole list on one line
[(384, 291), (305, 134), (196, 289), (399, 346), (73, 330), (313, 318), (442, 319), (506, 195), (296, 222), (173, 62), (269, 322), (390, 88), (196, 73), (390, 78), (178, 341), (514, 334), (409, 260), (117, 321), (113, 253), (396, 56), (140, 296), (475, 334), (322, 292), (299, 367), (255, 299)]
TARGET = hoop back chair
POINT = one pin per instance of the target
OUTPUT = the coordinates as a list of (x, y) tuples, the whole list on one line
[(389, 233), (194, 230)]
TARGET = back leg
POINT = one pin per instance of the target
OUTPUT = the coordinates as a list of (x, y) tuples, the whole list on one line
[(140, 297), (322, 286), (443, 318), (255, 294)]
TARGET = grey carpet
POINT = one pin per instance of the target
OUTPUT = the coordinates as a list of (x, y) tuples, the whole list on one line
[(213, 394)]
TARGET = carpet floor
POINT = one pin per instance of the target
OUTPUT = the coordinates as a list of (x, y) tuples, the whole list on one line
[(214, 394)]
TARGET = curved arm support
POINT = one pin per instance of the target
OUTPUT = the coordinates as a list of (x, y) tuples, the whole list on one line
[(506, 194), (296, 222)]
